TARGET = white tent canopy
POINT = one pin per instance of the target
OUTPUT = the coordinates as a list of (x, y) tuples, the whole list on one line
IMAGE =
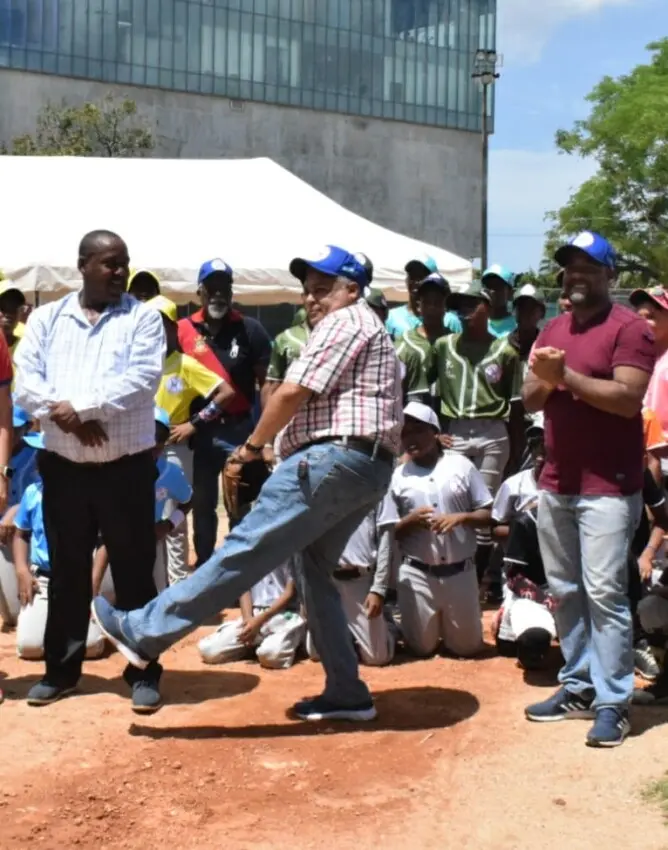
[(174, 214)]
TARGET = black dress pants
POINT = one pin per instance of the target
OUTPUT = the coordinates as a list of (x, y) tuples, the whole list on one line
[(81, 503)]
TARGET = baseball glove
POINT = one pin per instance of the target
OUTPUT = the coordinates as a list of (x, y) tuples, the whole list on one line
[(242, 483)]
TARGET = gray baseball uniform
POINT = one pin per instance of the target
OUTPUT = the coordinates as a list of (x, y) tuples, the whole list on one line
[(437, 588)]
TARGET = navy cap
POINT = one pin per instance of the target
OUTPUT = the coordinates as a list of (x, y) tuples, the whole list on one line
[(592, 244), (216, 266), (437, 281), (332, 261)]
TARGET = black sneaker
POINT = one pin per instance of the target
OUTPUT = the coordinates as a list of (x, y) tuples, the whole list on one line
[(563, 705), (146, 698), (320, 708), (44, 694), (646, 665)]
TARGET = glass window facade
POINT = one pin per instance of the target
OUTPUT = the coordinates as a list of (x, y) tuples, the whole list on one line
[(407, 60)]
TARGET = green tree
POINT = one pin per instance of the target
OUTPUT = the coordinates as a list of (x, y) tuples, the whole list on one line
[(627, 199), (109, 128)]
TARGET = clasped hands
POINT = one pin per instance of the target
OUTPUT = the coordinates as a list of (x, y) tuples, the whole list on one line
[(90, 434), (549, 365)]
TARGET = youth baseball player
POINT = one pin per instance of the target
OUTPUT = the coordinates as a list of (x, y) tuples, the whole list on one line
[(440, 498), (362, 578), (270, 624)]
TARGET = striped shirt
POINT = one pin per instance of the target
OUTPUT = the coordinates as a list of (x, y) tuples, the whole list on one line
[(477, 380), (287, 348), (350, 366), (108, 372)]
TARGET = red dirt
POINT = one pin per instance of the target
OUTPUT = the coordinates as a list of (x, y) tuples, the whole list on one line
[(449, 763)]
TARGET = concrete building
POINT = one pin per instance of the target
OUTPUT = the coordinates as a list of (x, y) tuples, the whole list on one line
[(371, 101)]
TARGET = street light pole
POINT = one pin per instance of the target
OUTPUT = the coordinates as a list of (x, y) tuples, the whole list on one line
[(484, 71)]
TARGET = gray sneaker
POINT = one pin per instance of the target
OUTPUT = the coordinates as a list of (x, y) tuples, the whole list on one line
[(146, 697), (44, 694), (646, 665)]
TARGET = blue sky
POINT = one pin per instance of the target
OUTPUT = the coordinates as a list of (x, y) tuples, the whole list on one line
[(554, 53)]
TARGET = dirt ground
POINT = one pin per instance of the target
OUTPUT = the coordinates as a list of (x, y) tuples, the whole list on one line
[(450, 762)]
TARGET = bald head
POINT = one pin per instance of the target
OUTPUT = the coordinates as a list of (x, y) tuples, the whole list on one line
[(95, 240), (104, 265)]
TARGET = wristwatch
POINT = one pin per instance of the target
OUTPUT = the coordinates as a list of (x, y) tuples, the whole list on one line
[(256, 450), (6, 472)]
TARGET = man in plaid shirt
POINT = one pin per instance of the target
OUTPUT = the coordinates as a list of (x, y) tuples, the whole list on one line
[(338, 413)]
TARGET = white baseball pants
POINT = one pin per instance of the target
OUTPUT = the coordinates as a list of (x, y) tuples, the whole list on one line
[(440, 609), (275, 647)]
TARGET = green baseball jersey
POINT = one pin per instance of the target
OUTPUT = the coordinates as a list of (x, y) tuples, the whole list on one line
[(417, 355), (287, 347), (476, 380)]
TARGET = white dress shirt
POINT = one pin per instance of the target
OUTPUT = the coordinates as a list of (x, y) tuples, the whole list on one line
[(453, 486), (108, 371)]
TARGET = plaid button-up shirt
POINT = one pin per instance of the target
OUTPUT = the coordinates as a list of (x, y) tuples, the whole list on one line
[(350, 365), (108, 371)]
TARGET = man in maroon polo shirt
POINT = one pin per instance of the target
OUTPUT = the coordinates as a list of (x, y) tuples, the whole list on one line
[(589, 372)]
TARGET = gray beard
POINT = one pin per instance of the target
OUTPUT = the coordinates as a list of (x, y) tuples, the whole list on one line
[(217, 313)]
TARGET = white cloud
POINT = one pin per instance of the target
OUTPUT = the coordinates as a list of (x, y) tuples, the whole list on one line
[(525, 26), (524, 185)]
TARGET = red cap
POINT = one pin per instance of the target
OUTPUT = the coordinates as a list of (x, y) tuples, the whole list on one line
[(657, 295)]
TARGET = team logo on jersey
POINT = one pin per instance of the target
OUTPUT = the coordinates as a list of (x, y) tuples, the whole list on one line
[(174, 384), (234, 349), (493, 373), (161, 494), (199, 346), (457, 485)]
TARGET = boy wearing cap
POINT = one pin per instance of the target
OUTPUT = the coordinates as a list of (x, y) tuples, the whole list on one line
[(22, 473), (407, 316), (499, 282), (478, 379), (183, 381), (143, 284), (415, 347), (237, 348), (589, 373), (440, 499)]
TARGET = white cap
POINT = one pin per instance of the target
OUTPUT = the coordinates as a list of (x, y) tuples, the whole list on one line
[(423, 413)]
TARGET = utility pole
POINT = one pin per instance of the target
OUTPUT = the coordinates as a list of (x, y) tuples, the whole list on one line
[(484, 71)]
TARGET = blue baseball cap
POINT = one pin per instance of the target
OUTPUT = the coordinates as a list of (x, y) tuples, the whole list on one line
[(215, 266), (595, 246), (437, 281), (162, 417), (333, 261), (500, 271), (420, 267), (20, 417)]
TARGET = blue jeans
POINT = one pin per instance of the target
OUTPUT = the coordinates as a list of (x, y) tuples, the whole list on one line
[(310, 505), (211, 448), (585, 541)]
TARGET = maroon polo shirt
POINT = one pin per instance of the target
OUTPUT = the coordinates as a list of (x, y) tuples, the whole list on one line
[(590, 452)]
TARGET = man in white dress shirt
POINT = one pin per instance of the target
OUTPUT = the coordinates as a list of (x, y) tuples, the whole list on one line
[(88, 368), (441, 499)]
